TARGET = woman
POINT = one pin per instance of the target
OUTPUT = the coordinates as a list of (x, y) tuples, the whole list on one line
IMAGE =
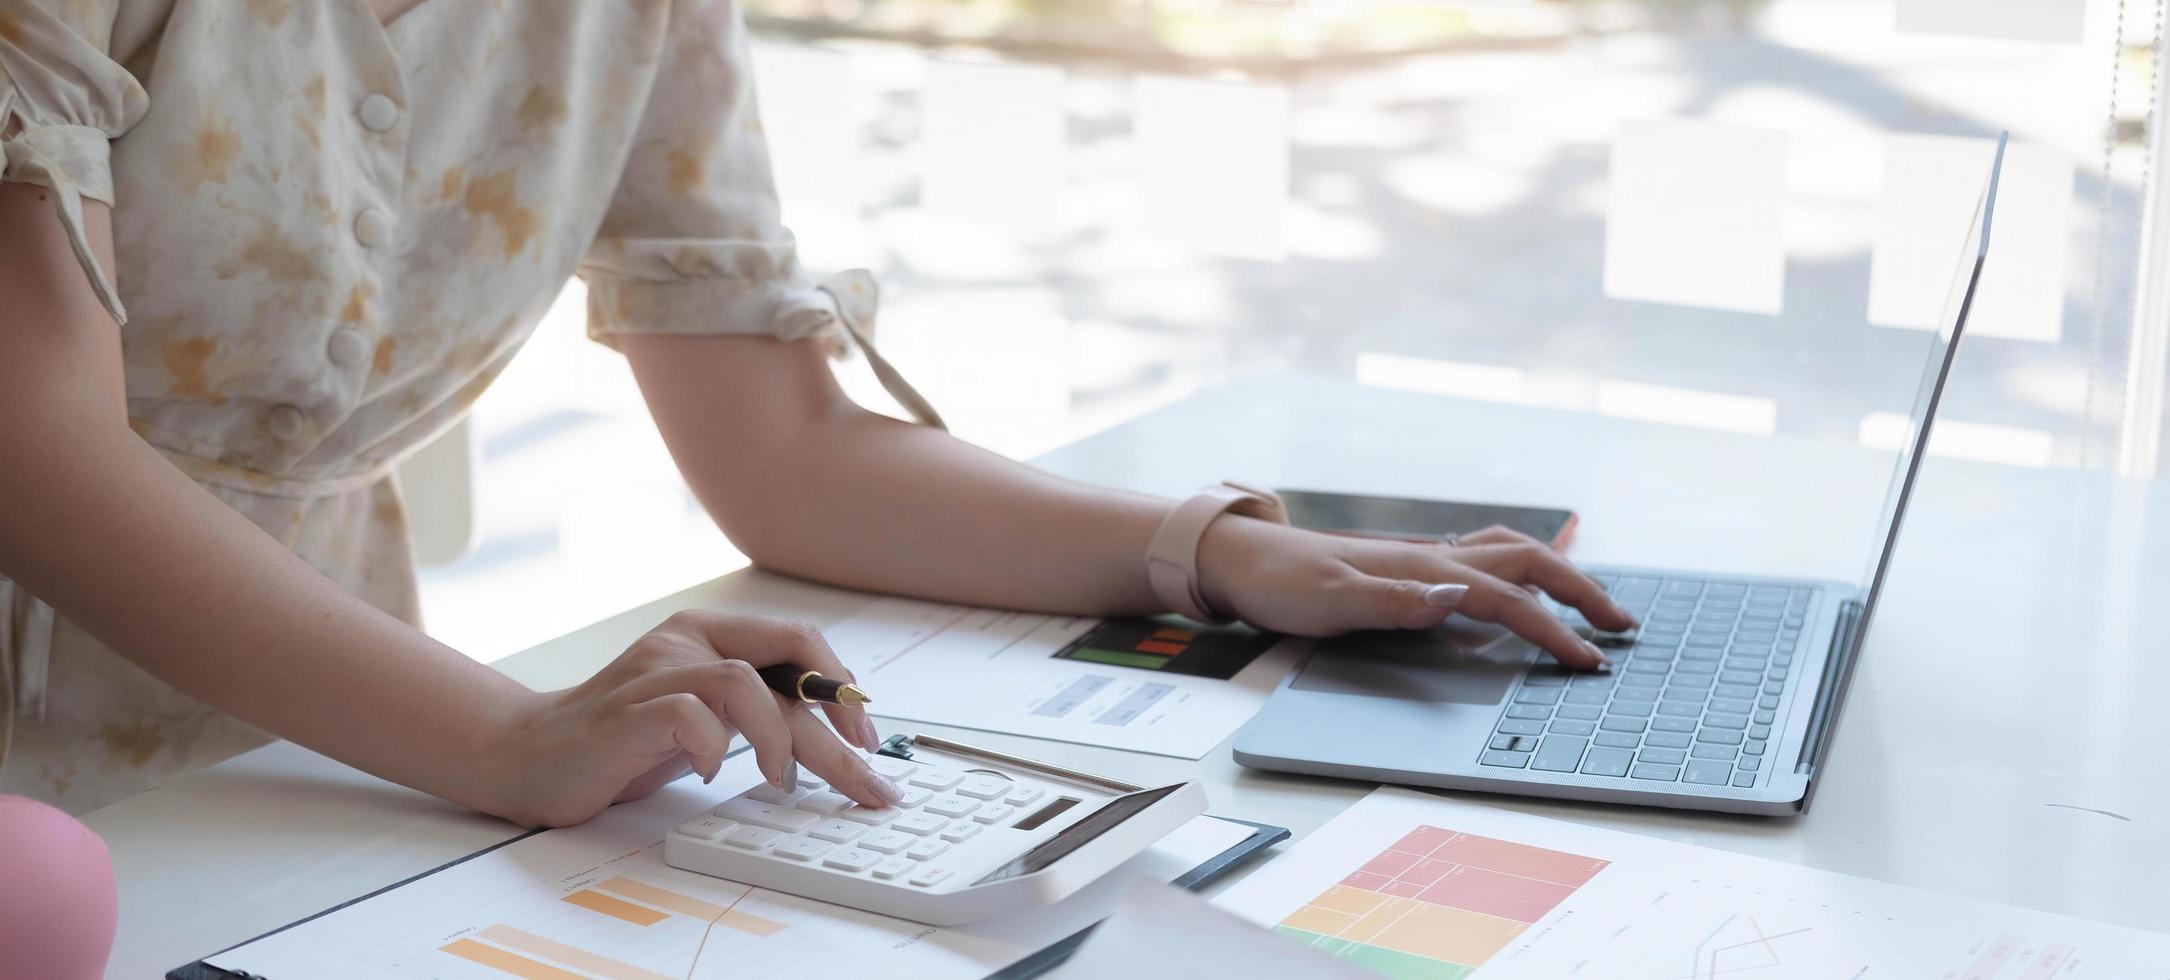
[(252, 253)]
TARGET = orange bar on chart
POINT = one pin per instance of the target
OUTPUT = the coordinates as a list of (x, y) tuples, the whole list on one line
[(616, 908), (1164, 649), (1175, 634), (602, 966), (664, 898), (513, 963), (1442, 933)]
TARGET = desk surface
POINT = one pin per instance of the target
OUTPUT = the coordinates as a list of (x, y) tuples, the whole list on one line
[(2004, 740)]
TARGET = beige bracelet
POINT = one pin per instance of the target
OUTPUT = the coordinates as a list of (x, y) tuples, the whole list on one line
[(1171, 560)]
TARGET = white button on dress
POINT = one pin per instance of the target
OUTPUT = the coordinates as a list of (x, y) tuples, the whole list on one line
[(372, 228), (285, 423), (378, 113), (348, 348)]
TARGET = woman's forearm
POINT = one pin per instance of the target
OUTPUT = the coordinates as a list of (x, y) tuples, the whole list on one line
[(97, 523), (808, 484)]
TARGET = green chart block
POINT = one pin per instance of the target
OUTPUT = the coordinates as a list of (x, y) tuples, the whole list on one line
[(1378, 959)]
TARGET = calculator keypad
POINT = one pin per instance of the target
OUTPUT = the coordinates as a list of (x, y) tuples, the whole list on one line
[(815, 825)]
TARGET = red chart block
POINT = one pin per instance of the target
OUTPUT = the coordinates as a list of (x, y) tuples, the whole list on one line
[(1492, 893)]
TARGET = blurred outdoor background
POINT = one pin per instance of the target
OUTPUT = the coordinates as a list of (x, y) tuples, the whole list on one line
[(1730, 214)]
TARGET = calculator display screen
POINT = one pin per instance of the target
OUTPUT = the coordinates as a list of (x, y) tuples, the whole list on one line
[(1080, 833)]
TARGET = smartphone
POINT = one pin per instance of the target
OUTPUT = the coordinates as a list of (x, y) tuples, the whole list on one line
[(1406, 519)]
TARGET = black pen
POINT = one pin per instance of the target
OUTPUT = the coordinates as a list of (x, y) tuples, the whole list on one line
[(809, 686)]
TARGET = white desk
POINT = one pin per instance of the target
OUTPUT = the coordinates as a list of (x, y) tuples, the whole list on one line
[(2013, 687)]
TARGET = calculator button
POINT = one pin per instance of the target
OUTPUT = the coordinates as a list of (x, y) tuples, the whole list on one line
[(753, 838), (892, 868), (826, 804), (960, 831), (913, 795), (767, 815), (837, 830), (926, 849), (810, 782), (983, 787), (890, 767), (770, 794), (873, 817), (706, 828), (930, 876), (919, 823), (1022, 795), (951, 806), (994, 814), (886, 841), (801, 849), (852, 859), (937, 778)]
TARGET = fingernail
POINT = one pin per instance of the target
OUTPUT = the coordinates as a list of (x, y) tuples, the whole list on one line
[(887, 791), (707, 778), (1445, 595), (869, 738), (790, 780), (1602, 660)]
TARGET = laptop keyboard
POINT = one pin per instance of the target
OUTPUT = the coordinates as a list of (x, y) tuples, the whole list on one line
[(1692, 696)]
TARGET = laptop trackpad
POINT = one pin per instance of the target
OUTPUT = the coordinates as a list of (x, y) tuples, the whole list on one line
[(1453, 665)]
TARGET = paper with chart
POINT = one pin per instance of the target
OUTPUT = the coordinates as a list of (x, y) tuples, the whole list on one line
[(1157, 686), (1419, 887), (597, 901)]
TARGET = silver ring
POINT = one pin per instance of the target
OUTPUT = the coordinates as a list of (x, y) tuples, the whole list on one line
[(1451, 540)]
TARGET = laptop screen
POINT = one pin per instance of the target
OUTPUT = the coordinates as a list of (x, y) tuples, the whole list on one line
[(1943, 347)]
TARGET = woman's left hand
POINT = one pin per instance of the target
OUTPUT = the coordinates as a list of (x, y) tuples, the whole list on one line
[(1290, 580)]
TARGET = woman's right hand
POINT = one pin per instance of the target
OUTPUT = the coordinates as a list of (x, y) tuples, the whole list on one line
[(674, 701)]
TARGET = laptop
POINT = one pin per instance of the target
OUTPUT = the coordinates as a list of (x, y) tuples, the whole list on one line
[(1725, 699)]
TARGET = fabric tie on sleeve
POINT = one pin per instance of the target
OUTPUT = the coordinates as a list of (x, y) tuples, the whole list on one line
[(26, 646), (857, 295), (47, 156)]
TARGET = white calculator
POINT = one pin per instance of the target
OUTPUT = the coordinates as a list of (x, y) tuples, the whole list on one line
[(979, 833)]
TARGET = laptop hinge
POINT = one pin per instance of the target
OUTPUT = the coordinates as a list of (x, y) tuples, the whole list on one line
[(1838, 671)]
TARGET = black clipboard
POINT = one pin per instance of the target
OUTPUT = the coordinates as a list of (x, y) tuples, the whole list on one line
[(1033, 965)]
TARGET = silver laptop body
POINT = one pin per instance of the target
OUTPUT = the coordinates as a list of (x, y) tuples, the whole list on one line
[(1725, 700)]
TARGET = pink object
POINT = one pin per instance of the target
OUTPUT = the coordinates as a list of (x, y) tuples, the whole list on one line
[(57, 906), (1171, 558)]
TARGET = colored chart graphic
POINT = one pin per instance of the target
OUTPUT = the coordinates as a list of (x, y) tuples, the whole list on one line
[(628, 908), (1744, 947), (1170, 646), (1437, 903)]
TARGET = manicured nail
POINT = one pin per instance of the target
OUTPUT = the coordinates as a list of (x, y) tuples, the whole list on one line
[(708, 777), (1445, 595), (790, 780), (869, 738), (885, 790), (1602, 660)]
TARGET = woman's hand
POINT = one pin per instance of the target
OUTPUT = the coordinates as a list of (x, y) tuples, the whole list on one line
[(1290, 580), (674, 700)]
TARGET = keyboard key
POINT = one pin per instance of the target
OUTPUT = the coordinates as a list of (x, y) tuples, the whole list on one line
[(1668, 723), (1774, 687), (1641, 680), (893, 768), (919, 823), (994, 813), (1587, 695), (951, 806), (872, 817), (1580, 712), (926, 849), (706, 828), (810, 782), (886, 841), (852, 859), (1767, 701), (1735, 691), (1731, 706), (913, 795), (1664, 773), (1721, 736), (960, 831), (1715, 772), (1718, 719), (1559, 753), (1669, 740), (1663, 757), (1515, 743), (1759, 731), (1606, 762), (1516, 726), (1631, 709), (929, 876), (1537, 695), (1508, 760), (766, 793), (1657, 668), (1681, 709), (1750, 762), (753, 838), (935, 779), (768, 815), (837, 831), (892, 868), (826, 804), (1706, 750), (983, 787), (1545, 677), (1583, 728), (1618, 740), (801, 849), (1617, 723), (1753, 747), (1744, 779), (1531, 712), (1026, 794), (1776, 673), (1739, 677)]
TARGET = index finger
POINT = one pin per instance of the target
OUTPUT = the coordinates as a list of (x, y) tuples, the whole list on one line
[(1559, 578), (1496, 601), (765, 642)]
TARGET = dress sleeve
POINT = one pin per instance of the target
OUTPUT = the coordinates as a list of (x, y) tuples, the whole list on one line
[(63, 100), (693, 241)]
